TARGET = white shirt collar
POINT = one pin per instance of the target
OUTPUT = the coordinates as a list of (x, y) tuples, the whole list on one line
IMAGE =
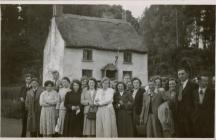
[(121, 93), (184, 83), (203, 90)]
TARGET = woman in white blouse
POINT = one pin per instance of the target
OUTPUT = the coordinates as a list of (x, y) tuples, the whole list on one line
[(105, 117)]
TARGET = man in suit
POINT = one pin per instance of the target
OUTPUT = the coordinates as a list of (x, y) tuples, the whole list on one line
[(23, 91), (137, 94), (184, 106), (203, 113)]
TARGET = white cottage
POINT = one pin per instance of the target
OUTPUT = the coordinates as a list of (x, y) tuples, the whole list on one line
[(95, 47)]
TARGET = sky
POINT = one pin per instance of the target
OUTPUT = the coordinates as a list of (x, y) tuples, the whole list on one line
[(136, 9)]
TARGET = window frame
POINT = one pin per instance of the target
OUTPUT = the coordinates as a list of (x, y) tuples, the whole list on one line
[(127, 57), (85, 55)]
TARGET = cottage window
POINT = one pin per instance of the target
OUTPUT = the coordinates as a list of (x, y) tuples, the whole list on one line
[(87, 55), (127, 73), (127, 57), (87, 73)]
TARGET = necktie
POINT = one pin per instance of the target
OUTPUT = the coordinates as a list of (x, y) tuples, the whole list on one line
[(180, 92)]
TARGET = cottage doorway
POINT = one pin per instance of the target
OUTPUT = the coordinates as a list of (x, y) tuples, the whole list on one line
[(109, 71)]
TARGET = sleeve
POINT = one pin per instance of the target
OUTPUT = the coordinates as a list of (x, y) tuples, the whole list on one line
[(139, 102), (67, 103), (27, 101), (41, 101), (108, 99), (21, 93), (58, 101), (84, 101), (115, 100)]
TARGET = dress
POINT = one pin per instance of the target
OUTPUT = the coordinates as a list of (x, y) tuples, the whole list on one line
[(72, 122), (89, 126), (105, 117), (62, 110), (48, 101), (124, 114)]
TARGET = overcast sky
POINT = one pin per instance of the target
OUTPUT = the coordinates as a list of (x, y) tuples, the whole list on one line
[(136, 9)]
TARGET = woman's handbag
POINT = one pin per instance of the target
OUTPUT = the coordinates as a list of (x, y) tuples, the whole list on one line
[(141, 129), (92, 113)]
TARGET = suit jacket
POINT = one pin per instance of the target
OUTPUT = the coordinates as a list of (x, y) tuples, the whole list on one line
[(85, 99), (23, 92), (184, 110), (203, 114), (33, 107), (157, 100)]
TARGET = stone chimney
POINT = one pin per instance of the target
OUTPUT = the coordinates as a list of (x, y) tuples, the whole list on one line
[(57, 10)]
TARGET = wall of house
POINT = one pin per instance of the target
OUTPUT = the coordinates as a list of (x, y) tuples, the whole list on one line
[(73, 64), (53, 52)]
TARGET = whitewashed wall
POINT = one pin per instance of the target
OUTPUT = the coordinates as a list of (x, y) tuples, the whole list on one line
[(73, 64), (53, 52)]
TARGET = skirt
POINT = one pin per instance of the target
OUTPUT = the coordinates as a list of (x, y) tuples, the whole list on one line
[(47, 120)]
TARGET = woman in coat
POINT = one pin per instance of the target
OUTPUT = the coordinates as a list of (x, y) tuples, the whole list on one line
[(149, 115), (60, 105), (73, 116), (105, 117), (123, 104), (33, 108), (48, 101), (87, 99)]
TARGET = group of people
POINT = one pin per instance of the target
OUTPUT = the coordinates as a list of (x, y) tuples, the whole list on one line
[(166, 107)]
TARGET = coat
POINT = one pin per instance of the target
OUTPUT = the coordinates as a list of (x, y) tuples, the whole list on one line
[(203, 114), (184, 108), (137, 108), (124, 114), (23, 93), (33, 107), (85, 99)]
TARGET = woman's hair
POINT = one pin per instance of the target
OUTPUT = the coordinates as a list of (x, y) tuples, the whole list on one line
[(135, 78), (66, 78), (77, 82), (124, 85), (105, 79), (48, 82), (95, 81)]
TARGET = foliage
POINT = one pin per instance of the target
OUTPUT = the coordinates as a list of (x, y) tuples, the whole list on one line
[(167, 31)]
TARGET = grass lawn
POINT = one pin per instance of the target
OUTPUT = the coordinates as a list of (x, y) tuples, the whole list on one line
[(11, 127)]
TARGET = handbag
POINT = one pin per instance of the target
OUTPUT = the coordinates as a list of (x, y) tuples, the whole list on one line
[(141, 129), (92, 113)]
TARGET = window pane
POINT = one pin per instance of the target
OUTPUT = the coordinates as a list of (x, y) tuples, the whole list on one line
[(87, 73), (127, 57), (87, 54)]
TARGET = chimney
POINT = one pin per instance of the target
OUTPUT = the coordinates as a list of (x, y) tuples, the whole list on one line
[(124, 15), (57, 10)]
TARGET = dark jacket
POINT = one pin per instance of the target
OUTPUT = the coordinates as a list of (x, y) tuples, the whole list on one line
[(184, 110), (203, 114)]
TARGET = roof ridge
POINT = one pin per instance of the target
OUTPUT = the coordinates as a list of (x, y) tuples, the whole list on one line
[(111, 20)]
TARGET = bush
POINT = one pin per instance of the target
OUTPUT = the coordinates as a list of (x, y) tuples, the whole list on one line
[(10, 104)]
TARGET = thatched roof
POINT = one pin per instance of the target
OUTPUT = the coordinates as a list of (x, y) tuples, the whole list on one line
[(99, 33)]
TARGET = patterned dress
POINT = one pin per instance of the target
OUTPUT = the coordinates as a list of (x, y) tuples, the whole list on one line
[(62, 110), (48, 101), (105, 117)]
